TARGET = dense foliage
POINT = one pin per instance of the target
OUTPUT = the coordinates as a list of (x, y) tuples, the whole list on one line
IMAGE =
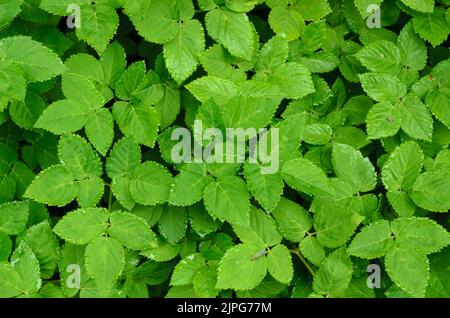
[(93, 204)]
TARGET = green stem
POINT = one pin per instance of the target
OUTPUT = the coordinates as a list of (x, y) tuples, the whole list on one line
[(300, 256)]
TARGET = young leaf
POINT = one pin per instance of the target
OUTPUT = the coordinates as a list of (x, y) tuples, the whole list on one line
[(39, 63), (250, 274), (26, 265), (430, 191), (266, 188), (373, 241), (83, 225), (413, 279), (227, 199), (383, 87), (188, 186), (420, 234), (383, 120), (233, 30), (105, 260), (13, 217), (181, 53), (403, 166), (150, 184), (305, 176), (53, 186), (350, 166), (292, 220), (312, 250), (130, 230), (334, 274), (279, 264)]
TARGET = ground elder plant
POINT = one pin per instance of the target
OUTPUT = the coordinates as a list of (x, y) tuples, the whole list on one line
[(224, 148)]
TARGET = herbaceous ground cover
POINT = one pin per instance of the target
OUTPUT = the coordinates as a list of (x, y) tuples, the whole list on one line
[(224, 148)]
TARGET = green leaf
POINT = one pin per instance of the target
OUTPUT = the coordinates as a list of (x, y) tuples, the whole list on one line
[(205, 281), (156, 21), (293, 79), (430, 191), (150, 184), (124, 158), (25, 263), (211, 87), (373, 241), (100, 130), (130, 230), (188, 186), (9, 9), (402, 167), (383, 120), (335, 221), (227, 199), (303, 175), (162, 251), (266, 188), (273, 54), (250, 273), (351, 167), (173, 224), (415, 119), (334, 274), (319, 11), (64, 116), (83, 225), (186, 269), (383, 87), (286, 21), (121, 189), (130, 81), (401, 203), (181, 53), (79, 157), (139, 122), (13, 217), (54, 186), (312, 250), (412, 48), (432, 27), (44, 244), (98, 25), (292, 219), (39, 63), (14, 84), (10, 281), (413, 278), (233, 30), (113, 62), (201, 221), (420, 234), (262, 231), (279, 264), (105, 260), (420, 5), (380, 57), (439, 103), (317, 134)]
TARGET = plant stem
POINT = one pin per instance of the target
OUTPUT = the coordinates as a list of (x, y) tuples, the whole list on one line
[(304, 261)]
